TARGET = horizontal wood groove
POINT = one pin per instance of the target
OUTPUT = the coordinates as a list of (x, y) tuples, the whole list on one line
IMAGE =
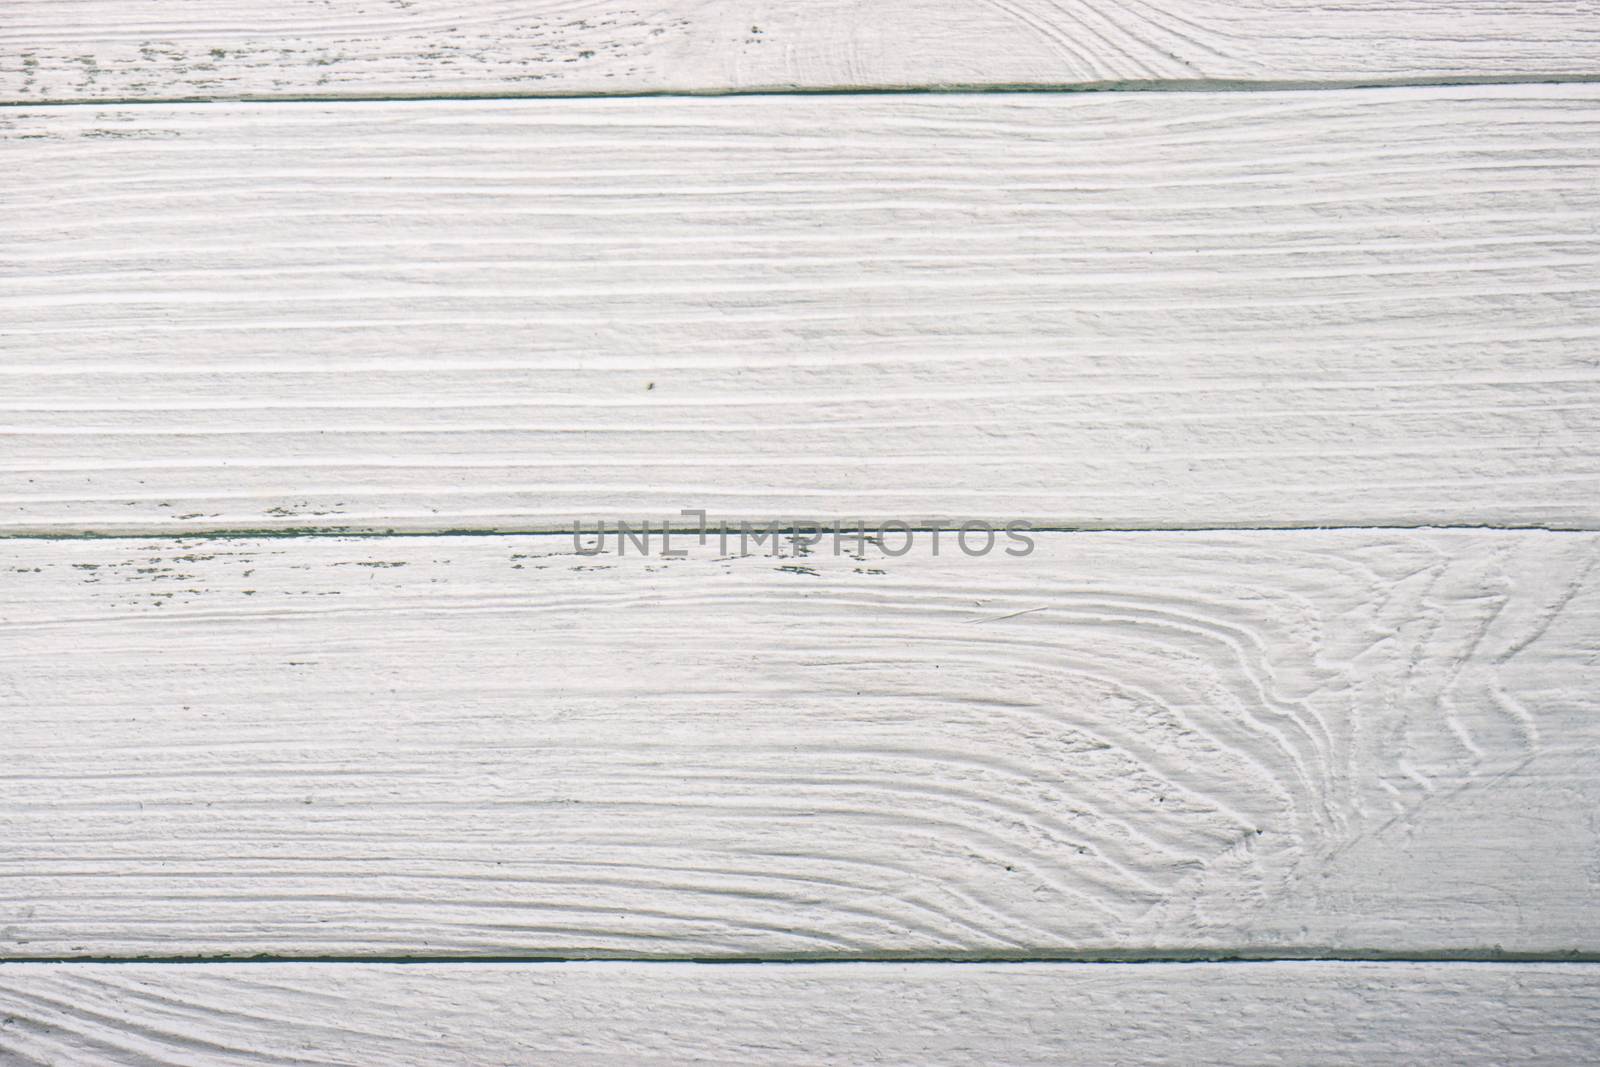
[(1109, 958), (955, 89), (159, 534)]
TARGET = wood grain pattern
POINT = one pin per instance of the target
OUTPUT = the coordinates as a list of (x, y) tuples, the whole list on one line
[(143, 49), (1124, 310), (1255, 743), (1268, 1014)]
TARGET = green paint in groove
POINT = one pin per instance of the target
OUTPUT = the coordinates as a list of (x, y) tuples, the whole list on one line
[(1198, 85)]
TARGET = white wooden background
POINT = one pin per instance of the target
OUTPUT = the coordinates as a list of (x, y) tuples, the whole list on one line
[(322, 322)]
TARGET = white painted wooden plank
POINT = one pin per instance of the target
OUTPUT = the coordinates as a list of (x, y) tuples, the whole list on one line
[(918, 1015), (1256, 743), (1119, 310), (144, 49)]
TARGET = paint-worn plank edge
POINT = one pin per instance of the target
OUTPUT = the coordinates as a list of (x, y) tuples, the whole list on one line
[(1167, 85), (145, 532)]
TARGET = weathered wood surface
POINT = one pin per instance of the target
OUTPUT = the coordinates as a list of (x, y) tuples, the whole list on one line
[(161, 49), (918, 1015), (1115, 310), (1263, 743)]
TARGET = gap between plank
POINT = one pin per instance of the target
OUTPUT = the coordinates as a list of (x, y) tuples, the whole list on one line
[(333, 532), (975, 958), (1171, 85)]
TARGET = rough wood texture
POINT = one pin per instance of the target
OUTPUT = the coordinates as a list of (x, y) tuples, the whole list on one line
[(144, 49), (921, 1015), (1145, 310), (1262, 743)]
